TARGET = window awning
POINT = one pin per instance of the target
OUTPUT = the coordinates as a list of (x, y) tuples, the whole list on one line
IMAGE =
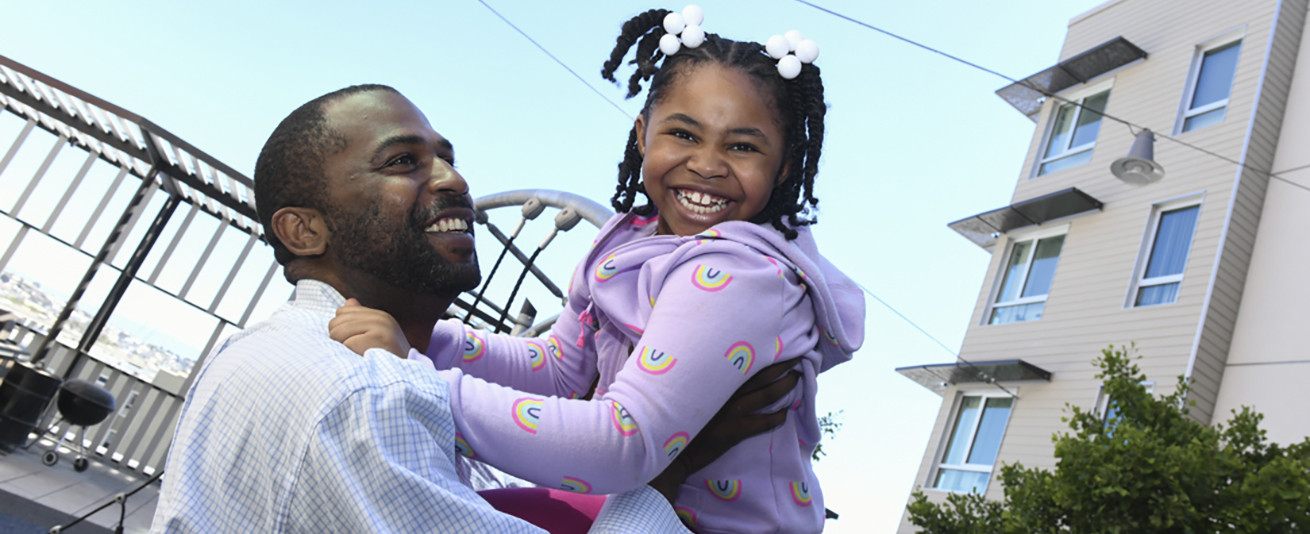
[(985, 227), (1027, 95), (938, 377)]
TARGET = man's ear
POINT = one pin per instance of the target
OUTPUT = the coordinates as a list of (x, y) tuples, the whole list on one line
[(302, 230), (640, 128)]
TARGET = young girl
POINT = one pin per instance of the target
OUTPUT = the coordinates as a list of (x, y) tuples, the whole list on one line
[(682, 299)]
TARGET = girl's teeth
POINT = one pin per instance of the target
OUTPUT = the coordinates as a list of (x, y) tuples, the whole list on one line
[(700, 203)]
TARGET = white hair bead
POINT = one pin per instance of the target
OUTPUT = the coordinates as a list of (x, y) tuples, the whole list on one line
[(669, 44), (789, 66), (807, 51), (793, 38), (673, 23), (776, 46), (693, 36), (693, 15)]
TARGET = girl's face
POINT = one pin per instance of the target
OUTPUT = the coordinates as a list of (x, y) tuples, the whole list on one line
[(712, 150)]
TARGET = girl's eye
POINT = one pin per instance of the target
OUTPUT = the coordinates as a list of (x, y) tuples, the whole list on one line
[(744, 147), (683, 134)]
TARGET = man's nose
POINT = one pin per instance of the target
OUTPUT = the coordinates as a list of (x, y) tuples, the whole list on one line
[(445, 179)]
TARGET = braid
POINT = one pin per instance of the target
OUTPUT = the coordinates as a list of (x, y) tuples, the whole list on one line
[(629, 176), (642, 31), (648, 53), (628, 35), (793, 200), (798, 102)]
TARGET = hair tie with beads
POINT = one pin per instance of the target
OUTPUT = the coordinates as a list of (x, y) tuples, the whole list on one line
[(683, 29), (791, 50)]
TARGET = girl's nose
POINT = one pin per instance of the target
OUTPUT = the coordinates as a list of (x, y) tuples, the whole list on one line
[(708, 163)]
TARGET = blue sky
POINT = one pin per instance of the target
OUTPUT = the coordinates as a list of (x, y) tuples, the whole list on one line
[(913, 140)]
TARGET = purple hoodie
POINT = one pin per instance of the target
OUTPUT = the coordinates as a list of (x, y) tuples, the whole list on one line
[(672, 325)]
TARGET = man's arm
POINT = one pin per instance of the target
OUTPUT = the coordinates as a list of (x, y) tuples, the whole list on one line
[(733, 423), (650, 506)]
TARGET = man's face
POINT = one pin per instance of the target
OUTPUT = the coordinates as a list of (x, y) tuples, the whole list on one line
[(397, 209)]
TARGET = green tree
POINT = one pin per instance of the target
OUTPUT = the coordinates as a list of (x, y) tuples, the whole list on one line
[(829, 424), (1146, 467)]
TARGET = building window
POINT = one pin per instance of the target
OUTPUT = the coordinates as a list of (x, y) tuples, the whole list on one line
[(1211, 82), (1021, 295), (1165, 253), (1109, 410), (975, 439), (1073, 133)]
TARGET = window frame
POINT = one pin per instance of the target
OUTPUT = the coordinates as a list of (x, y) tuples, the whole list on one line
[(1103, 405), (1147, 247), (1004, 266), (1103, 398), (1079, 96), (948, 433), (1185, 109)]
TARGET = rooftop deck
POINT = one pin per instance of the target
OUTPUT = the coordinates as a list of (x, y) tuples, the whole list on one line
[(70, 494)]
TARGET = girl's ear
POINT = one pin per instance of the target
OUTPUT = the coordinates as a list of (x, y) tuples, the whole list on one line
[(782, 174), (302, 230), (640, 127)]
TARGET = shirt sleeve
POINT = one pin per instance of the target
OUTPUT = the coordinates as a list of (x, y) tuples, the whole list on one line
[(714, 323), (561, 365), (639, 510)]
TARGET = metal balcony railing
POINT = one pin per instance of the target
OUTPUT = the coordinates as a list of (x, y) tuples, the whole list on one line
[(87, 172)]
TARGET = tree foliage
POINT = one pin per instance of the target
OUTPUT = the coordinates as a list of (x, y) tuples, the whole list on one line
[(1145, 468), (829, 425)]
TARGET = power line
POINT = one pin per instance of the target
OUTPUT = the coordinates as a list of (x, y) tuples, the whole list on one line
[(1046, 93), (557, 60), (981, 374), (893, 309)]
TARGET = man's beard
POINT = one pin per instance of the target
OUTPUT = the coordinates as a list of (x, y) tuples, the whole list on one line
[(401, 256)]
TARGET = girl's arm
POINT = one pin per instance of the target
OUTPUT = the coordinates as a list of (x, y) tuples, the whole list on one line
[(714, 324), (562, 364)]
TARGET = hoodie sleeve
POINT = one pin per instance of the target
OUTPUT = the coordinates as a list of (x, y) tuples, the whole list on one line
[(714, 323), (562, 364)]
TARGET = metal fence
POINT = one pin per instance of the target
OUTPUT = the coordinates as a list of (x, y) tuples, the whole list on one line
[(127, 217)]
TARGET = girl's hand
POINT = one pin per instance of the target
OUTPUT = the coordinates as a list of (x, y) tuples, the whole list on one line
[(361, 328)]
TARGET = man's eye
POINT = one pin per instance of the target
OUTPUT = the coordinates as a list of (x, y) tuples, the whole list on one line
[(403, 160)]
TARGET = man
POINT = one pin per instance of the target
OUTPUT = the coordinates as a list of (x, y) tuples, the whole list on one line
[(287, 430)]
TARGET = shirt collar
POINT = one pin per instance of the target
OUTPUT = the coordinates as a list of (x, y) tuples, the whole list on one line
[(318, 296)]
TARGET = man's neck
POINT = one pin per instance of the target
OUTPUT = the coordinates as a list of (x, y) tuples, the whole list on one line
[(416, 313)]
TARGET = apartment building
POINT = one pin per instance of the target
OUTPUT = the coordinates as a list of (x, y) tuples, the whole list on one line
[(1200, 261)]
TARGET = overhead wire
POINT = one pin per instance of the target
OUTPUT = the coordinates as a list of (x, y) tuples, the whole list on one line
[(556, 60), (1048, 94), (951, 57), (888, 305)]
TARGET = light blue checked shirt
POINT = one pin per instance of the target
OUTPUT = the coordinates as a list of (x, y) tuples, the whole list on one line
[(286, 430)]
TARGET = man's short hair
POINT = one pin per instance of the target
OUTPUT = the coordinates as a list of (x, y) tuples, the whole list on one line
[(289, 170)]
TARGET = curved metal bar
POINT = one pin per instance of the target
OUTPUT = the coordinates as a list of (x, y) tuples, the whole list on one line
[(592, 211)]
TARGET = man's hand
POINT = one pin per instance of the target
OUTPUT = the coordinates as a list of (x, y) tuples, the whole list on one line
[(735, 422), (361, 328)]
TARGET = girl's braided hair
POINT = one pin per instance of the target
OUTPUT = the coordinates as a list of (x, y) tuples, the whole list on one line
[(798, 102)]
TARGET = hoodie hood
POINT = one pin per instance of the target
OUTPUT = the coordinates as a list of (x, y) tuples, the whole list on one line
[(838, 300)]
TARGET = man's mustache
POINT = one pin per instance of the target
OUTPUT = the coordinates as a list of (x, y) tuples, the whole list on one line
[(442, 204)]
